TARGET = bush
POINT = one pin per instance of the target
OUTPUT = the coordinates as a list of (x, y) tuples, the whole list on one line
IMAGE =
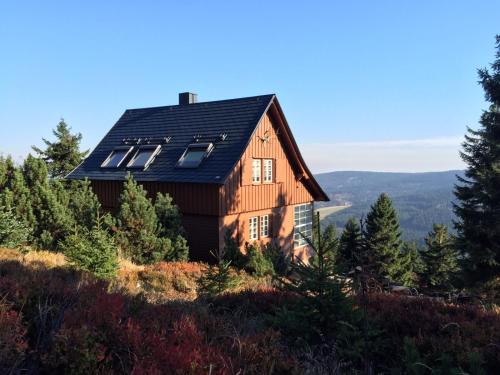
[(257, 263), (12, 339), (218, 279)]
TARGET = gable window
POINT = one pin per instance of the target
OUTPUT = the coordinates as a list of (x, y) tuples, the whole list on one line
[(194, 155), (116, 157), (268, 170), (256, 171), (144, 156), (254, 228), (264, 226), (303, 224)]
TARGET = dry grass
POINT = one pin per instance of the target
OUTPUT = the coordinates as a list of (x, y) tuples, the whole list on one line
[(158, 283)]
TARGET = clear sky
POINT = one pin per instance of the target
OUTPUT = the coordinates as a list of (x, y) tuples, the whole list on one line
[(365, 85)]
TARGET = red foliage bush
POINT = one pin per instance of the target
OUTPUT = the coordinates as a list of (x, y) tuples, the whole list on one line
[(12, 339)]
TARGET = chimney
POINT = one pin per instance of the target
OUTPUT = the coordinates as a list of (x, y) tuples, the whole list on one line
[(187, 98)]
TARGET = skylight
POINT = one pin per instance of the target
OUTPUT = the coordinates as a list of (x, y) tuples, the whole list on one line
[(116, 157), (144, 156), (194, 155)]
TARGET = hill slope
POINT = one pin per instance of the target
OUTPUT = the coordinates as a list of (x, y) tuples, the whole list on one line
[(420, 198)]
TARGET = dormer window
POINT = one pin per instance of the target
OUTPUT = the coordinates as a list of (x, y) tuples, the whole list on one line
[(194, 155), (116, 157), (144, 156)]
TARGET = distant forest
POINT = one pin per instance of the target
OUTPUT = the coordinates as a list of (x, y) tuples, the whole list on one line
[(421, 199)]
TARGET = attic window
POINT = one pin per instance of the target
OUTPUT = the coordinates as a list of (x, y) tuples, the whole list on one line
[(194, 155), (116, 157), (144, 156)]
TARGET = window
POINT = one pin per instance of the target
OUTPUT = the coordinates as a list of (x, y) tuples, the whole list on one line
[(256, 171), (268, 170), (254, 228), (194, 155), (144, 156), (303, 224), (264, 226), (116, 157)]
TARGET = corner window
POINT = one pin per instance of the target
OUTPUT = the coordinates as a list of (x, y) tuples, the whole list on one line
[(264, 226), (256, 171), (254, 228), (116, 157), (194, 155), (268, 170), (144, 156), (303, 224)]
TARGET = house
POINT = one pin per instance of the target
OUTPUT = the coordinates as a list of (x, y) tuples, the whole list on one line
[(228, 164)]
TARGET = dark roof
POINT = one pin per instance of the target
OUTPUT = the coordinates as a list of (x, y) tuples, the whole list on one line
[(237, 118)]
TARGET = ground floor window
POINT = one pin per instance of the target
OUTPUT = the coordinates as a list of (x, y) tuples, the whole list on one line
[(302, 224), (254, 228), (264, 226)]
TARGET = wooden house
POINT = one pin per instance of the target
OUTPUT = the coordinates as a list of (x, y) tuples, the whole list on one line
[(229, 165)]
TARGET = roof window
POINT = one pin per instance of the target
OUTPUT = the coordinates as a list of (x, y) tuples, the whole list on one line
[(144, 156), (194, 155), (116, 157)]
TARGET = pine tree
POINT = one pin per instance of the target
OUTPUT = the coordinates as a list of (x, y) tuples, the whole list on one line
[(478, 194), (7, 169), (63, 155), (138, 226), (84, 204), (93, 251), (350, 246), (383, 240), (170, 226), (219, 278), (440, 259), (17, 198)]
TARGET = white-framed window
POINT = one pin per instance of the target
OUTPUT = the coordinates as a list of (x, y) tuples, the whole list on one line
[(144, 156), (254, 228), (268, 170), (256, 171), (302, 224), (194, 155), (116, 157), (264, 226)]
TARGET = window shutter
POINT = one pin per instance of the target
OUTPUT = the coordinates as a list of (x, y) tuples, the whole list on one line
[(246, 171), (280, 170)]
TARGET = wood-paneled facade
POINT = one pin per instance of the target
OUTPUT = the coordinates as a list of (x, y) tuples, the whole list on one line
[(209, 210)]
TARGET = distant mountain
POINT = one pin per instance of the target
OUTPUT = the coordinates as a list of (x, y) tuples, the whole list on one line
[(420, 198)]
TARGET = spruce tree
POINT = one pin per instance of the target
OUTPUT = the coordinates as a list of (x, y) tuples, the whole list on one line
[(218, 278), (63, 155), (350, 246), (138, 226), (382, 240), (440, 259), (409, 265), (478, 194)]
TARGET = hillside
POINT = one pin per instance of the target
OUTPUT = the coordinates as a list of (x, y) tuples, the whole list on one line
[(420, 198)]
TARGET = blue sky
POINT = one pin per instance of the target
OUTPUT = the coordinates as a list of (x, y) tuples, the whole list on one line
[(365, 85)]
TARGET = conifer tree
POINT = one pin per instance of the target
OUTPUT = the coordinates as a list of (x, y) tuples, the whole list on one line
[(92, 250), (382, 240), (218, 278), (12, 231), (138, 226), (84, 204), (63, 155), (16, 197), (478, 194), (409, 265), (350, 246), (7, 169), (440, 259)]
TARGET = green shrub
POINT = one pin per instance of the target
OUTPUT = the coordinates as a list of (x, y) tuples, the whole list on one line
[(13, 232), (217, 279), (279, 260), (257, 263)]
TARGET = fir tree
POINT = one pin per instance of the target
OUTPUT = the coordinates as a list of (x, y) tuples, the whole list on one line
[(478, 194), (93, 251), (63, 155), (218, 279), (138, 226), (350, 246), (440, 259), (13, 232), (324, 312), (383, 240), (409, 265)]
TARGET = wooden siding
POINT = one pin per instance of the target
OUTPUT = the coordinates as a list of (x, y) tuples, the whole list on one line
[(197, 199), (239, 195)]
